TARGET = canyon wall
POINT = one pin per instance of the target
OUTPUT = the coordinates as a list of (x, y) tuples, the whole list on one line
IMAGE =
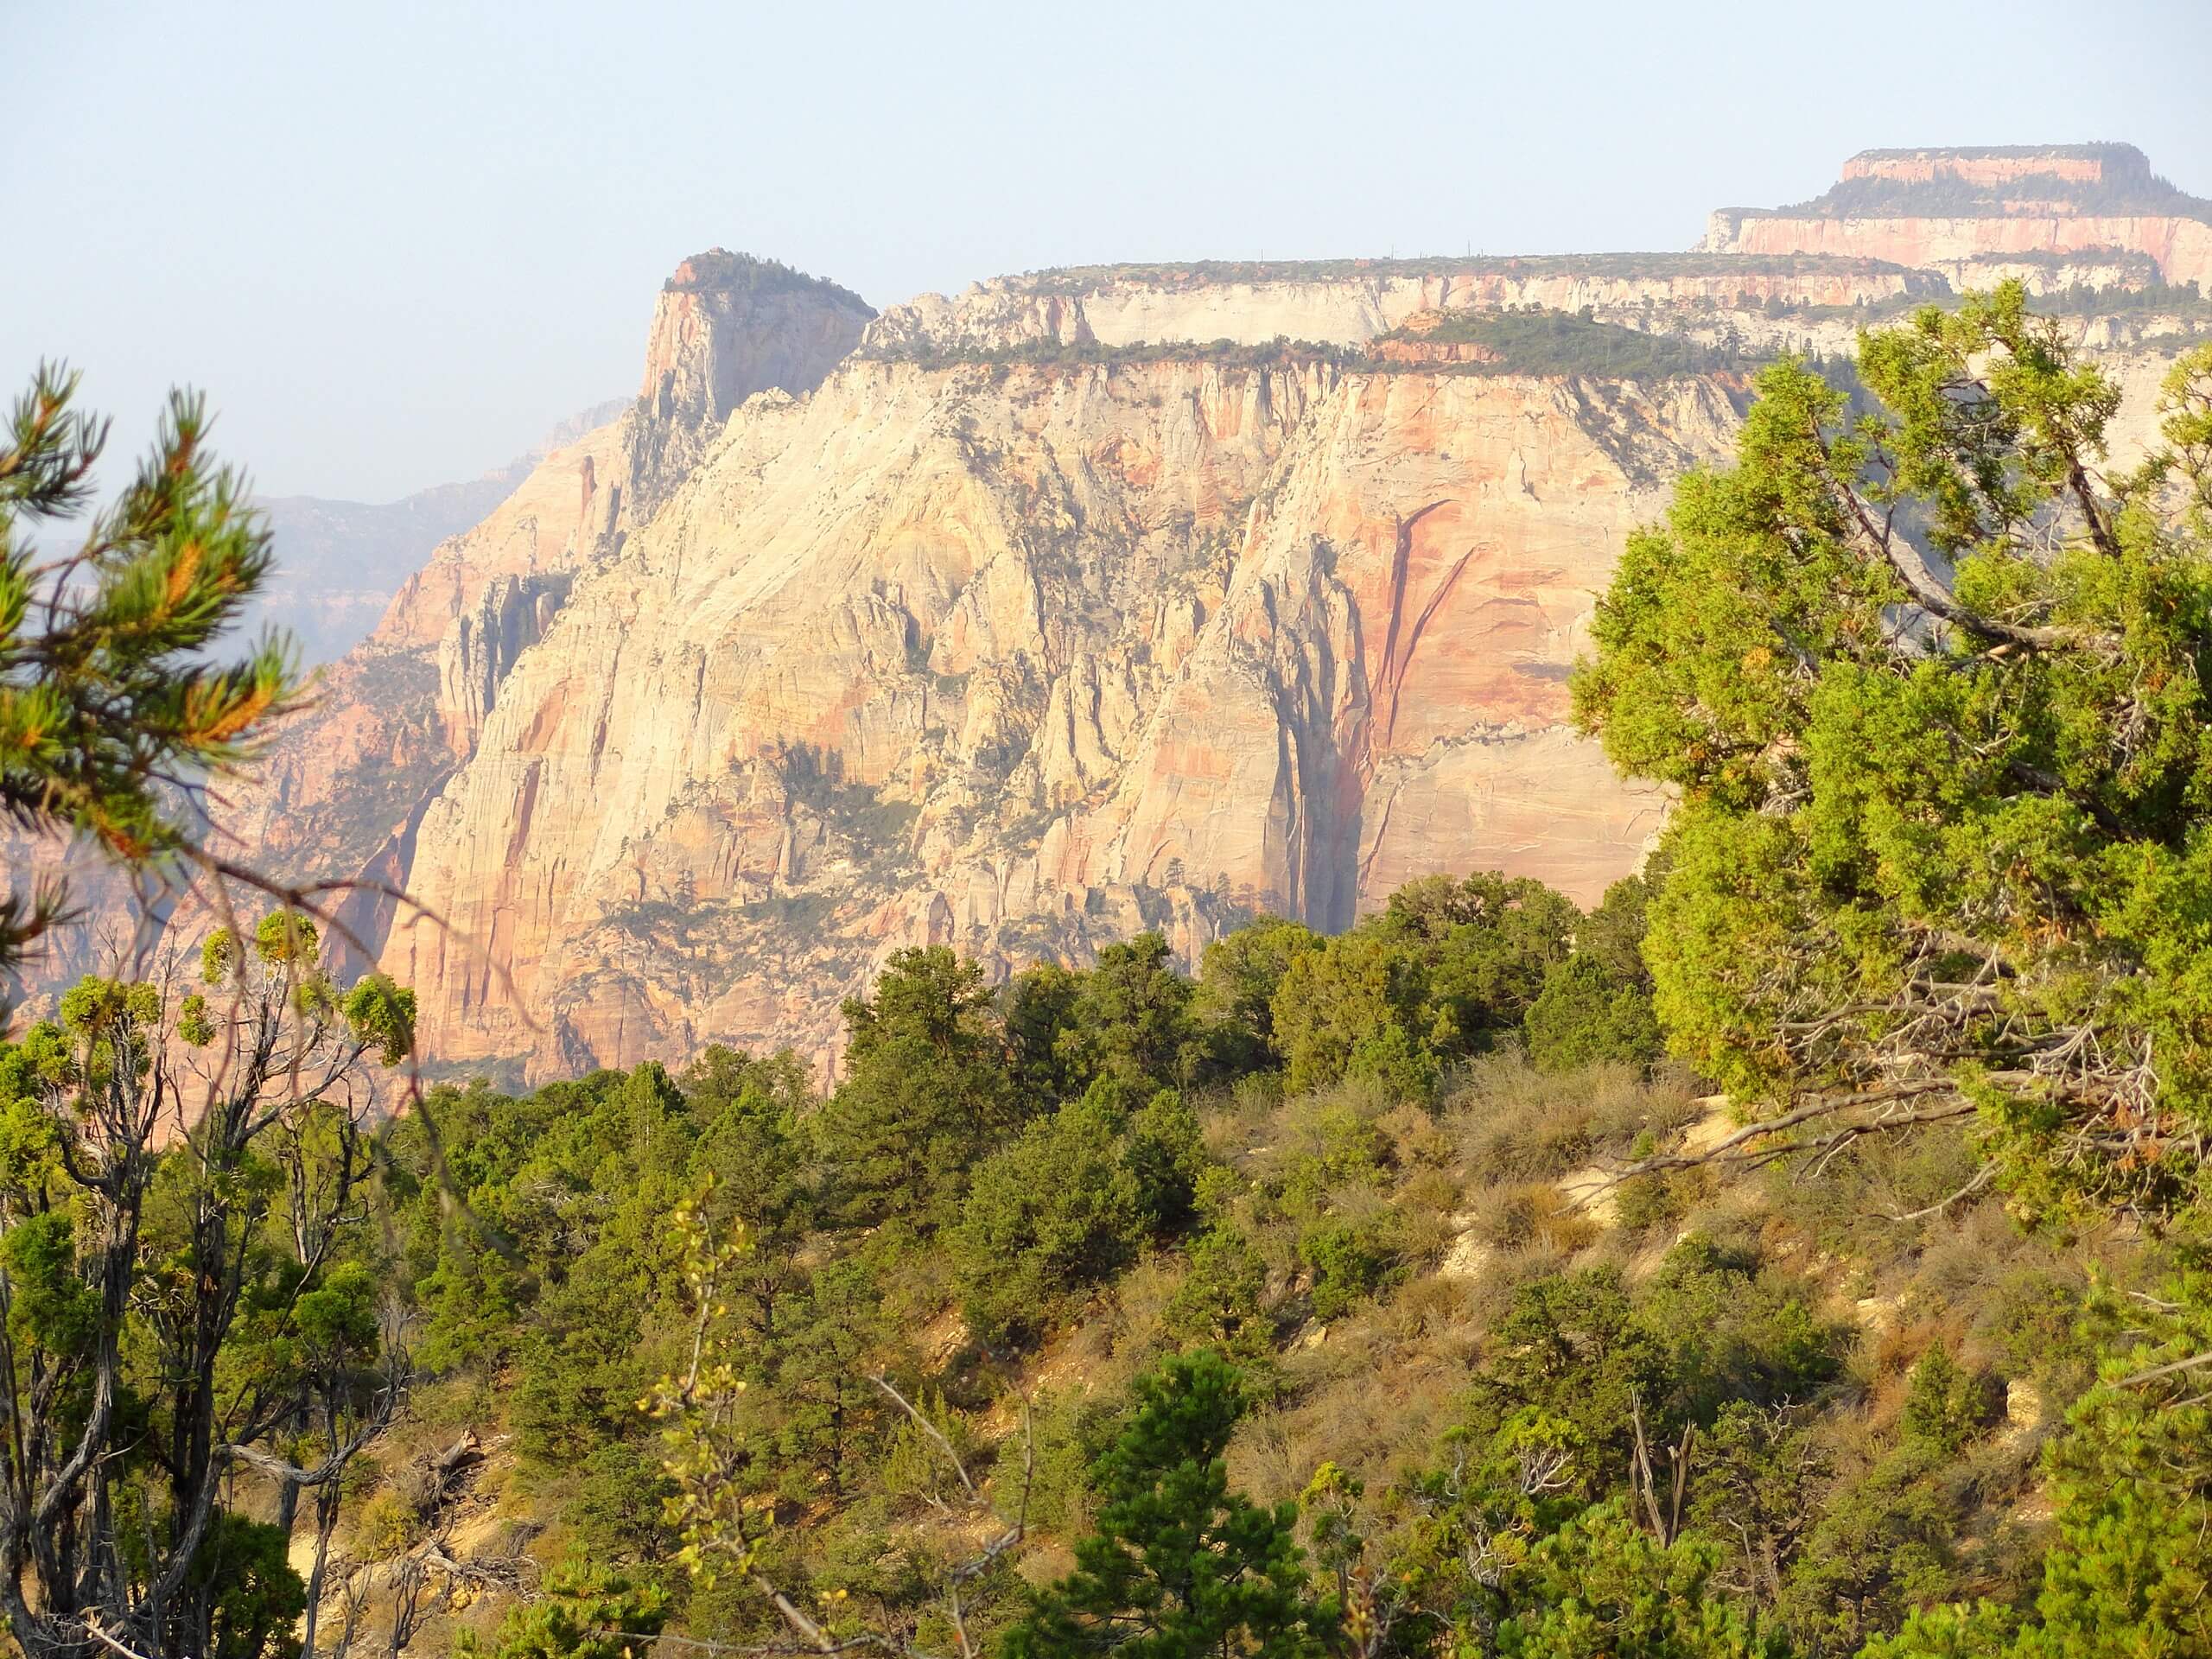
[(1025, 619), (1026, 660)]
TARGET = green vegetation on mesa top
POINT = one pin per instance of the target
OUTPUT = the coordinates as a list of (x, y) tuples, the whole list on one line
[(1079, 280), (1533, 341), (1529, 342), (720, 268)]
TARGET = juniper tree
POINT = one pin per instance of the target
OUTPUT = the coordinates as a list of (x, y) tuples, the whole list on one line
[(1929, 675)]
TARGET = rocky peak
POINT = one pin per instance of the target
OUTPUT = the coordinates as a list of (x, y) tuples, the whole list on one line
[(728, 326)]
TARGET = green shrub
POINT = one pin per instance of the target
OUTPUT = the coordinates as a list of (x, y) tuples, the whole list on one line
[(1583, 1015), (1350, 1259), (1056, 1211)]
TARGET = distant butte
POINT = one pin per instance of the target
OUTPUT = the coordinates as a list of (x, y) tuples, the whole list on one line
[(2094, 207)]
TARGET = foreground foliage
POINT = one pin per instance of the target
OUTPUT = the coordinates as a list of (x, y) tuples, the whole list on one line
[(1942, 851), (187, 1296), (110, 712)]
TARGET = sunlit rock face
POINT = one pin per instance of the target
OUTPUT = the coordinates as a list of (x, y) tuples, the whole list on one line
[(341, 791), (1352, 301), (1022, 659)]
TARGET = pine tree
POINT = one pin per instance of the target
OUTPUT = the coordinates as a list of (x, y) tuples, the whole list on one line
[(1180, 1567), (112, 717)]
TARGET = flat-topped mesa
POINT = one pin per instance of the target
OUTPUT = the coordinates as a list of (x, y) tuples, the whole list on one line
[(1350, 303), (1933, 207), (2008, 165)]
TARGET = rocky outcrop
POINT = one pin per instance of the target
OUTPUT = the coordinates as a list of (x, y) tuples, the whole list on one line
[(339, 563), (728, 326), (2007, 167), (341, 790), (725, 327), (2110, 271), (1023, 660)]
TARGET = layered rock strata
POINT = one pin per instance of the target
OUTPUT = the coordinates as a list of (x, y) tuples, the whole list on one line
[(1023, 659), (1349, 303)]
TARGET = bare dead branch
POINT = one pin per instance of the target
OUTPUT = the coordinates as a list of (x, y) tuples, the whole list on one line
[(2157, 1371)]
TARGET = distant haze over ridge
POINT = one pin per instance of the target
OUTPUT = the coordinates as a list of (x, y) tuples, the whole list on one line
[(339, 563)]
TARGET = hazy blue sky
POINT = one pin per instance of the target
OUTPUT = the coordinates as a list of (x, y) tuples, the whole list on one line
[(395, 242)]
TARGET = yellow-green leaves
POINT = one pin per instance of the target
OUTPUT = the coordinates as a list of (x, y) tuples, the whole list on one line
[(381, 1012), (707, 1447)]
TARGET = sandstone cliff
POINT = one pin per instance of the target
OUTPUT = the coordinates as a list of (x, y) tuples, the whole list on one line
[(1023, 659), (1349, 303), (341, 793)]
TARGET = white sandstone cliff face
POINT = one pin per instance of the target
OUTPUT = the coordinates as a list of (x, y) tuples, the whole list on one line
[(342, 789), (1114, 306), (2102, 269), (1023, 660), (2181, 248)]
